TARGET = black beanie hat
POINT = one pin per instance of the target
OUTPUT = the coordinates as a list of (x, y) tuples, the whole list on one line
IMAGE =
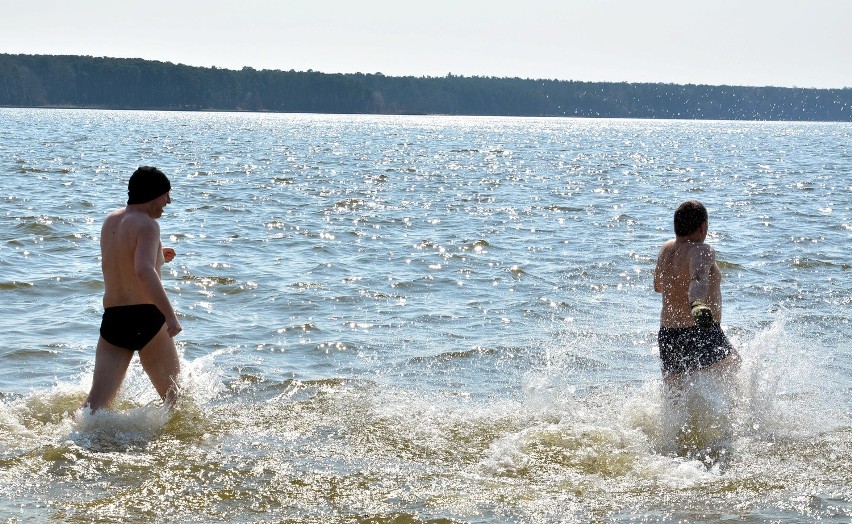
[(146, 184)]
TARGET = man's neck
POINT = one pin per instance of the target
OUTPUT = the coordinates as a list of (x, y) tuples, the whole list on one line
[(694, 238)]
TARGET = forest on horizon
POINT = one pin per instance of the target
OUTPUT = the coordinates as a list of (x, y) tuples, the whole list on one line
[(62, 81)]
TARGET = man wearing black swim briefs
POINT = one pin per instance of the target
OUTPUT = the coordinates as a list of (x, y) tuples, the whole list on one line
[(138, 315), (687, 276)]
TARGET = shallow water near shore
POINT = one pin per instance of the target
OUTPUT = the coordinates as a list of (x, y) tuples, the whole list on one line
[(428, 319)]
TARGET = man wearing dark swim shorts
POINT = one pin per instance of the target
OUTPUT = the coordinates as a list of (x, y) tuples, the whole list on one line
[(692, 348), (690, 337), (131, 327), (138, 316)]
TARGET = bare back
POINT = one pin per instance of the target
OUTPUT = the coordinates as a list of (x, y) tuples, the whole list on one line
[(681, 265), (126, 236)]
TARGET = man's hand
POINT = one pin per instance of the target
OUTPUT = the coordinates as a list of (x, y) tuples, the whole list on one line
[(173, 326), (168, 254), (701, 314)]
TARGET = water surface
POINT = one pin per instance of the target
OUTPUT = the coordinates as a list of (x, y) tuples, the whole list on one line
[(426, 319)]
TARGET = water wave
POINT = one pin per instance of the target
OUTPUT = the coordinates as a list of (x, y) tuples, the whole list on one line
[(292, 448), (428, 319)]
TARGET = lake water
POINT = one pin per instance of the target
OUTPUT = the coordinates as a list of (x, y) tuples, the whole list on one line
[(427, 319)]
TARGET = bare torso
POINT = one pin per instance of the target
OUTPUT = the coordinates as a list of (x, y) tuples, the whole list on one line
[(682, 263), (131, 261), (120, 238)]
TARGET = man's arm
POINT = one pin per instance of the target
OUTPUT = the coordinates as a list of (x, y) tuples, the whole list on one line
[(701, 259), (144, 261), (658, 272)]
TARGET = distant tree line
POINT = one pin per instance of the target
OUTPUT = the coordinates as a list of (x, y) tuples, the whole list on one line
[(121, 83)]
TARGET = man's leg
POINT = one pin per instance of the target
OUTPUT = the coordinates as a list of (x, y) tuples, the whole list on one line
[(110, 367), (160, 361)]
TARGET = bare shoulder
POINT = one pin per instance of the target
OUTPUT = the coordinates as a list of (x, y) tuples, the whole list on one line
[(704, 250), (113, 221), (702, 255), (130, 224), (667, 246), (115, 216), (141, 221), (146, 229)]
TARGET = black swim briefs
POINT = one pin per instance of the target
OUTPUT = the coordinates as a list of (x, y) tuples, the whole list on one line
[(692, 348), (131, 327)]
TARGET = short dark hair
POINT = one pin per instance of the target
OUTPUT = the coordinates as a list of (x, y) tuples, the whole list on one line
[(688, 217)]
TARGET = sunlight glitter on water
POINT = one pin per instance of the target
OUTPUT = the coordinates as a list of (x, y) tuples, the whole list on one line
[(427, 319)]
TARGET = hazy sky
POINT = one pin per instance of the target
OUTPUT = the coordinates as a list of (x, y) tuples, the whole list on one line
[(805, 43)]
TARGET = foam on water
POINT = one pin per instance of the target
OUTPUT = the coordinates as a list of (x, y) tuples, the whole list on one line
[(428, 319), (786, 385), (137, 417), (563, 449)]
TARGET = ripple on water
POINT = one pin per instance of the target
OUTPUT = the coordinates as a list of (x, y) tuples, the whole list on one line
[(427, 319)]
